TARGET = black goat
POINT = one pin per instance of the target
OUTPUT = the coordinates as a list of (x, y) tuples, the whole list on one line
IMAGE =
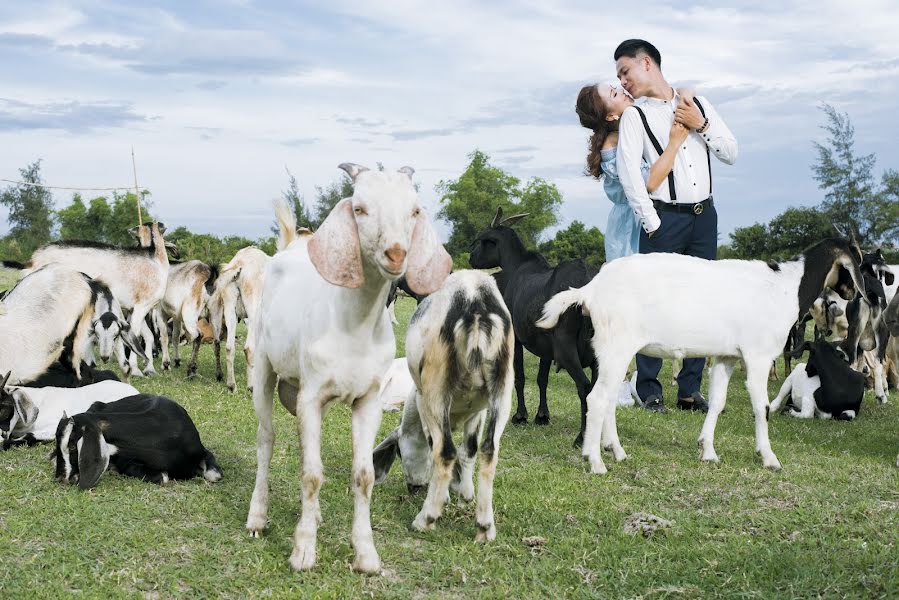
[(60, 375), (144, 436), (842, 387), (527, 282)]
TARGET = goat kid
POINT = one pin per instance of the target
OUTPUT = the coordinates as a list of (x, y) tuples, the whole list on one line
[(629, 316), (459, 351), (144, 436), (30, 415), (322, 309)]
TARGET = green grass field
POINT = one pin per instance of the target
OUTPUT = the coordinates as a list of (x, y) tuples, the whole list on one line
[(826, 526)]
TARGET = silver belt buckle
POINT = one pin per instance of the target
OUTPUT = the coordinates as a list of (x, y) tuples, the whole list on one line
[(698, 208)]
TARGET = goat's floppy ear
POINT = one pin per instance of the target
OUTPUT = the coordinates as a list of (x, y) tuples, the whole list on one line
[(161, 227), (352, 169), (25, 408), (130, 340), (385, 454), (334, 249), (93, 457), (835, 310), (801, 349), (888, 276), (429, 263)]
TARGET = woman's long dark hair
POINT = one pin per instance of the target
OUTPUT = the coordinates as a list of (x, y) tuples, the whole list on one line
[(592, 113)]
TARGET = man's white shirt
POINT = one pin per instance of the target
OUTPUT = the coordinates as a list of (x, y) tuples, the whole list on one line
[(691, 168)]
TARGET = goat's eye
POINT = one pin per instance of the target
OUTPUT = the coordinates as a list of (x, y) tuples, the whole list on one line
[(359, 210), (416, 212)]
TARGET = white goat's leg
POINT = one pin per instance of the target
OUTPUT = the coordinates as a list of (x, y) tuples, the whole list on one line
[(612, 369), (265, 442), (309, 428), (443, 456), (367, 413), (610, 439), (231, 326), (879, 382), (164, 342), (757, 384), (189, 317), (807, 410), (497, 420), (147, 335), (463, 472), (248, 349), (176, 340), (783, 394), (718, 380)]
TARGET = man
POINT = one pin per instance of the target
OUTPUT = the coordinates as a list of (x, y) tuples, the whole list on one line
[(679, 216)]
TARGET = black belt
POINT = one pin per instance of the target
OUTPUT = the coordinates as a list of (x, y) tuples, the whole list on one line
[(685, 207)]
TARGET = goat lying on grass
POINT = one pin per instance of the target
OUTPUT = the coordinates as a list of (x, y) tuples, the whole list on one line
[(324, 335), (826, 387), (743, 309), (30, 415), (459, 350), (144, 436)]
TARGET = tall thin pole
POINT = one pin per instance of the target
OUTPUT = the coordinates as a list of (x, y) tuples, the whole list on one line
[(140, 220)]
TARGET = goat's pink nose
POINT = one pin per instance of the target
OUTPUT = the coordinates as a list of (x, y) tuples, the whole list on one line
[(395, 255)]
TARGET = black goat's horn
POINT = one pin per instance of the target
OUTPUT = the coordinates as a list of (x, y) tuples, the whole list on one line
[(5, 379), (509, 221), (497, 217)]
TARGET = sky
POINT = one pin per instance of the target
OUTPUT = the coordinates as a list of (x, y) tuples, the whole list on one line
[(217, 99)]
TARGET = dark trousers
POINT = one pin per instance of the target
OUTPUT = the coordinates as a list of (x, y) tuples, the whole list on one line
[(693, 235)]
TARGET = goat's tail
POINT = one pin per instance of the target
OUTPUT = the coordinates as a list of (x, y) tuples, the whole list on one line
[(12, 264), (557, 305), (287, 224)]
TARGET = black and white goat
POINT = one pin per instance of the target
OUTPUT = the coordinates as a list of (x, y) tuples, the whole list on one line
[(527, 282), (29, 415), (136, 276), (144, 436), (459, 348), (111, 334), (826, 387), (629, 316), (46, 317), (324, 335), (186, 294)]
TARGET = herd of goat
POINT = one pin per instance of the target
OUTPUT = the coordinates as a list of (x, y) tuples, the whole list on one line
[(321, 302)]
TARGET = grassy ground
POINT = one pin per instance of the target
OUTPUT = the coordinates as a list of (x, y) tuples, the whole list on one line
[(826, 526)]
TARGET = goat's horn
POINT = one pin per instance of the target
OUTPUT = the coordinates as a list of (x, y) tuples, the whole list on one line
[(5, 379), (838, 230), (509, 221), (352, 169), (498, 217), (407, 171)]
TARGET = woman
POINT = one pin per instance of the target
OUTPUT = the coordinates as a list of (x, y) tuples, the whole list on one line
[(599, 107)]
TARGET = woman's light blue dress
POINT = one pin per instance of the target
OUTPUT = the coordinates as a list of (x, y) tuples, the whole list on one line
[(622, 233)]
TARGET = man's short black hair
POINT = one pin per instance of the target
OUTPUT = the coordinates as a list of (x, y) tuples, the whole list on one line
[(632, 47)]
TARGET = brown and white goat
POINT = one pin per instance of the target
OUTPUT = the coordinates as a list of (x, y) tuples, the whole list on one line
[(186, 295)]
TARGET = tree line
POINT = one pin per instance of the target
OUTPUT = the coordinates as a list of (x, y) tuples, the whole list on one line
[(853, 201)]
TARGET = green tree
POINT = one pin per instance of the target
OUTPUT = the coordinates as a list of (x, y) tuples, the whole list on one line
[(73, 221), (470, 202), (326, 198), (848, 178), (294, 199), (750, 242), (576, 241), (795, 229), (31, 215)]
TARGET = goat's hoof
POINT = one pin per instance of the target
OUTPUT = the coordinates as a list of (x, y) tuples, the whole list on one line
[(191, 372), (541, 420), (424, 523), (256, 525), (486, 533), (232, 387), (303, 557), (165, 365), (219, 377), (579, 441), (597, 467), (619, 453), (772, 464), (368, 562), (709, 456), (519, 419), (177, 363)]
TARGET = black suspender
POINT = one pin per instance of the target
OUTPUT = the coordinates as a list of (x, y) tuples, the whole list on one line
[(708, 155), (658, 147)]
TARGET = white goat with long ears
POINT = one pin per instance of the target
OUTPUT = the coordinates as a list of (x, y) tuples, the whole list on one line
[(323, 333), (137, 277), (47, 316), (236, 297), (674, 306)]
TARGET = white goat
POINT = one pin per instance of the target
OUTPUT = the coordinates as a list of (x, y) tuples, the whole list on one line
[(236, 297), (29, 415), (459, 348), (737, 310), (186, 293), (323, 332), (45, 317), (136, 276)]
